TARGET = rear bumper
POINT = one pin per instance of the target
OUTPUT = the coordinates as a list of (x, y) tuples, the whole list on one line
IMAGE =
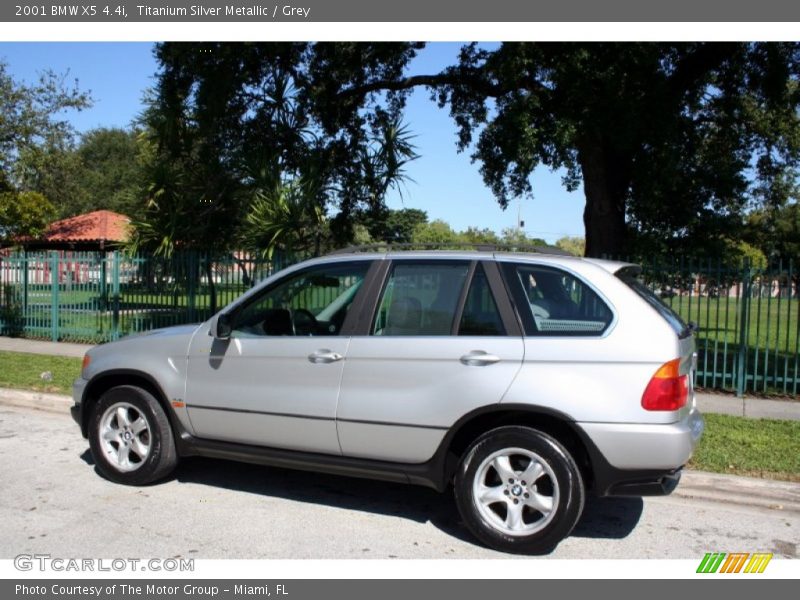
[(635, 446), (643, 484), (630, 459)]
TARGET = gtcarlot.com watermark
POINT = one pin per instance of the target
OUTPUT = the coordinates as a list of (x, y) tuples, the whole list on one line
[(47, 562)]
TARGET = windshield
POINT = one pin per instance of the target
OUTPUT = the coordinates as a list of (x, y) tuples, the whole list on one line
[(630, 275)]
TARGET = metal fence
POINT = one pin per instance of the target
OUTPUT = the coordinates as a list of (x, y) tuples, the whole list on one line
[(748, 319), (100, 296)]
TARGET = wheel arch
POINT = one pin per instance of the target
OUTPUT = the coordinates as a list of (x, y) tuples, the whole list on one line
[(102, 382), (549, 421)]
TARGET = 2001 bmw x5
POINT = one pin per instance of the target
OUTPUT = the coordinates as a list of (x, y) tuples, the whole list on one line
[(524, 380)]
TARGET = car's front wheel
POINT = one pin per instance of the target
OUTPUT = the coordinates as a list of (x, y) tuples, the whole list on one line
[(130, 437), (519, 490)]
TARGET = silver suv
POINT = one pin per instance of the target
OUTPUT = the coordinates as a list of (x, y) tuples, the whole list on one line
[(523, 380)]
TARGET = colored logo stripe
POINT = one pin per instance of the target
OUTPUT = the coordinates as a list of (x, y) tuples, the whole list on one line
[(733, 562), (710, 562), (758, 563)]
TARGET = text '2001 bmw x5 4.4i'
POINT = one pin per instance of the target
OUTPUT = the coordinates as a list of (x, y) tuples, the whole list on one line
[(525, 381)]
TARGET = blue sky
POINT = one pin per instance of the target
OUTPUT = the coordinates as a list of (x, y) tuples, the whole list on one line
[(446, 184)]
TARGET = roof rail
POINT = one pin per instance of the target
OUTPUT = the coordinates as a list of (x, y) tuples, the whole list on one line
[(477, 246)]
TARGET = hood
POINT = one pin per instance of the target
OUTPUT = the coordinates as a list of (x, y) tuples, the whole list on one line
[(164, 332)]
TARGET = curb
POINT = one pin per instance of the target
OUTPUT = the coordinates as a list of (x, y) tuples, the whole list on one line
[(37, 400), (778, 496), (749, 407)]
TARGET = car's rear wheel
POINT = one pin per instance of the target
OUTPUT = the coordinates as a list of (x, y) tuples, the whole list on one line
[(130, 437), (519, 490)]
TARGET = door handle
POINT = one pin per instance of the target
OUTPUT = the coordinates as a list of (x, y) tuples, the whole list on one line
[(479, 358), (324, 356)]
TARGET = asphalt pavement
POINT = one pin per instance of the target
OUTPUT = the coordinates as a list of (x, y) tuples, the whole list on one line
[(54, 502)]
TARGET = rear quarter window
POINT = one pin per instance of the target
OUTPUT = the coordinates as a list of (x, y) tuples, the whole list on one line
[(553, 302)]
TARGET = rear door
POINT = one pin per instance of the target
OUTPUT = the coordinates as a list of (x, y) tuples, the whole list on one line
[(440, 341)]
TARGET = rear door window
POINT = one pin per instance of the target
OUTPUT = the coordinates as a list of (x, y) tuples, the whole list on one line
[(552, 302), (420, 298), (481, 315)]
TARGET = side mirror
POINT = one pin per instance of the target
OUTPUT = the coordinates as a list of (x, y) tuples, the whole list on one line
[(224, 326)]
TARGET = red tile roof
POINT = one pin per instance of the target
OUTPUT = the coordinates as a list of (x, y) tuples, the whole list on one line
[(100, 225)]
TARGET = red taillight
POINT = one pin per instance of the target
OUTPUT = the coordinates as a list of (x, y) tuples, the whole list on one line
[(668, 389)]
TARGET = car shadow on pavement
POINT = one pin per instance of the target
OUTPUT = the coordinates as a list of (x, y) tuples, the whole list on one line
[(416, 503), (605, 518), (609, 518)]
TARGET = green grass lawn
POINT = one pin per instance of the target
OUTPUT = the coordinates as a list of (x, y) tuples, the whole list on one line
[(24, 371), (773, 322), (753, 447)]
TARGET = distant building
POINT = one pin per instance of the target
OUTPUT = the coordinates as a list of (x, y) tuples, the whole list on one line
[(98, 230)]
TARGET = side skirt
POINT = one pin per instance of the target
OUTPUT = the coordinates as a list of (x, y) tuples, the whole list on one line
[(428, 474)]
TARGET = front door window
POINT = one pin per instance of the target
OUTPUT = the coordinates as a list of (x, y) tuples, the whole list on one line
[(313, 302)]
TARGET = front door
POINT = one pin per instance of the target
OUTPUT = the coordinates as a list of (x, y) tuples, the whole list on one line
[(275, 382)]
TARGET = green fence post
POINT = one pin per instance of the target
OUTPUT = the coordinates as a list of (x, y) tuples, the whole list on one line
[(191, 284), (103, 304), (54, 264), (4, 300), (115, 298), (24, 288), (744, 322)]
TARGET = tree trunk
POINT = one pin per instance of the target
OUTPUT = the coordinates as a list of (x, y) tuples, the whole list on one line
[(606, 181), (246, 280)]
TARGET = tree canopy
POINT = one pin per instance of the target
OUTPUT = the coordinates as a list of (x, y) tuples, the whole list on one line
[(36, 140), (33, 125), (231, 129), (671, 142), (23, 214), (110, 171), (775, 231), (574, 245)]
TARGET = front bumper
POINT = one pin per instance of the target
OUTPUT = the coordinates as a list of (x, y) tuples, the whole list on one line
[(76, 410)]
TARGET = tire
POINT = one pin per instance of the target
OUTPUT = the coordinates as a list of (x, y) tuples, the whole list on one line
[(131, 438), (514, 514)]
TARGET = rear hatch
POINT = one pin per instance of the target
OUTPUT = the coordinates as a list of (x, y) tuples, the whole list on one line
[(630, 275)]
